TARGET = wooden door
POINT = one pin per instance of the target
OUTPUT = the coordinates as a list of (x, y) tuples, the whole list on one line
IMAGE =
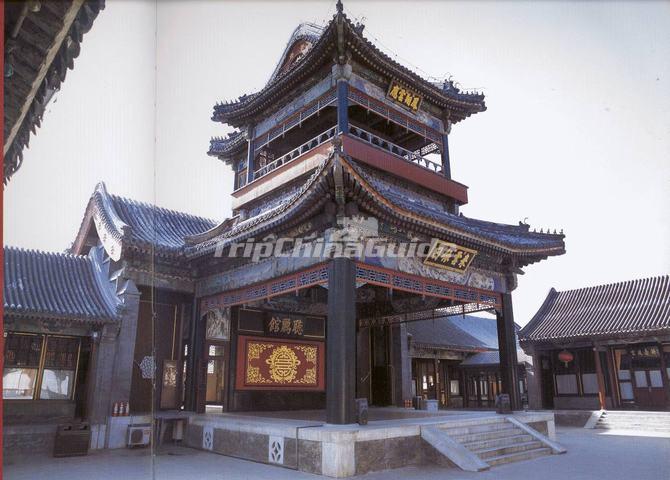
[(648, 390)]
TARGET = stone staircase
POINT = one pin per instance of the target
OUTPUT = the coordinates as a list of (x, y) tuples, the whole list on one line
[(654, 422), (497, 443)]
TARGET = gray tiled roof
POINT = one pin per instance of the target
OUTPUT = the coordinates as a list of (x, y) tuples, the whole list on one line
[(123, 223), (635, 307), (152, 225), (54, 285), (324, 44), (234, 142), (511, 236), (466, 333), (493, 358)]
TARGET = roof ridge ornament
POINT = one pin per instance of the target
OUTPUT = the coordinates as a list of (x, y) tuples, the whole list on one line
[(339, 6)]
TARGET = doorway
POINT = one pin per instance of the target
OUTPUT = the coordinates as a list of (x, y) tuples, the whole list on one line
[(424, 378), (382, 370), (216, 381), (547, 382)]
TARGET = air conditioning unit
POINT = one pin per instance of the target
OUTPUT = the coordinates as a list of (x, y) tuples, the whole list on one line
[(139, 435)]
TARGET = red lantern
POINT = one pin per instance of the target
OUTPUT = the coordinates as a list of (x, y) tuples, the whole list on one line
[(566, 357)]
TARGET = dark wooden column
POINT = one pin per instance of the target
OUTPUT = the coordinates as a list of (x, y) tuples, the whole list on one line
[(601, 378), (190, 387), (341, 342), (343, 105), (251, 154), (446, 163), (509, 373), (613, 378), (664, 375)]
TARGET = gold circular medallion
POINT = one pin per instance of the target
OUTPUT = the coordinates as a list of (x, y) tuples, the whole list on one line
[(283, 364)]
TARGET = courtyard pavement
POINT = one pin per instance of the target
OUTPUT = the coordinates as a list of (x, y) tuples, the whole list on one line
[(592, 454)]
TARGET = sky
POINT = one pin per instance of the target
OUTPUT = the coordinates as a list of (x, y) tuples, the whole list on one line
[(576, 135)]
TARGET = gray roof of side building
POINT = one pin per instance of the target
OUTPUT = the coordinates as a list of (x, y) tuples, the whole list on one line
[(126, 223), (624, 309), (465, 333), (57, 286)]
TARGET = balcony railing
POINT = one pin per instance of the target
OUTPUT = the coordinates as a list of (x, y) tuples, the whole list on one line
[(296, 152), (394, 149)]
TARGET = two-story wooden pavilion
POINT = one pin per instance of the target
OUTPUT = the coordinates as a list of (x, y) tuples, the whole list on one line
[(339, 131)]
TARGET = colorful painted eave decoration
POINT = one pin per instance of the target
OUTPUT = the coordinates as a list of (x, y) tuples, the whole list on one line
[(269, 364)]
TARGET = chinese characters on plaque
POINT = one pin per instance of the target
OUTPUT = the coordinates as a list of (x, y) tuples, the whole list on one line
[(286, 325), (449, 256), (404, 96)]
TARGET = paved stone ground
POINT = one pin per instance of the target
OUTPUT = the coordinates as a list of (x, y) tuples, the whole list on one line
[(591, 455)]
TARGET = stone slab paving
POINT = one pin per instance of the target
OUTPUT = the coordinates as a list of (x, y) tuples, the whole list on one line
[(591, 455)]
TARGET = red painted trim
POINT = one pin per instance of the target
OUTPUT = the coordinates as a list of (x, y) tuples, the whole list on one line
[(292, 282), (241, 364), (378, 158), (321, 149)]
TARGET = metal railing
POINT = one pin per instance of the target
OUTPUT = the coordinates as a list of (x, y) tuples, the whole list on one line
[(296, 152), (394, 149)]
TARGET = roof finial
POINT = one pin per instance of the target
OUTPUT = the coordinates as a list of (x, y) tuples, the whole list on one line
[(339, 6)]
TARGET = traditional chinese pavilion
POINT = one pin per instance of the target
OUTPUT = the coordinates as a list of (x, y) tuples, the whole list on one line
[(263, 311), (343, 131)]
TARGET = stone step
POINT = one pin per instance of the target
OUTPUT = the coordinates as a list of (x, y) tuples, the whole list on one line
[(627, 426), (636, 413), (468, 429), (655, 415), (518, 457), (498, 442), (636, 420), (492, 435), (500, 451)]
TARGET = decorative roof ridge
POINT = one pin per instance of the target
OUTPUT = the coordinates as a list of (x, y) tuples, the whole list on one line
[(104, 203), (241, 229), (159, 209), (37, 251), (538, 315), (212, 232), (615, 284), (220, 145), (450, 96), (303, 30), (353, 168)]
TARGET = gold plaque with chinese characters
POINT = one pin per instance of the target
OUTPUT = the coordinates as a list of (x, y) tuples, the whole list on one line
[(449, 256), (404, 96)]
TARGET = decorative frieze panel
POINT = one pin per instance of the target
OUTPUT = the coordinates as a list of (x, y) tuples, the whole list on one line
[(365, 272)]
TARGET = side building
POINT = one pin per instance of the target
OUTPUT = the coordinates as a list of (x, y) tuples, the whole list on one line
[(455, 360), (602, 347)]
